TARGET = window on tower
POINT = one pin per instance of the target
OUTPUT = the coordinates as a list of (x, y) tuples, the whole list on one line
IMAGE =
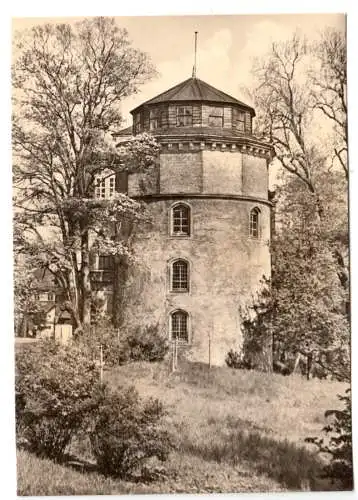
[(255, 223), (179, 329), (154, 119), (180, 276), (180, 220), (216, 117), (239, 120), (184, 116), (137, 123)]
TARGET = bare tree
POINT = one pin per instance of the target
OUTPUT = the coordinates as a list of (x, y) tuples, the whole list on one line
[(283, 104), (329, 88), (68, 83)]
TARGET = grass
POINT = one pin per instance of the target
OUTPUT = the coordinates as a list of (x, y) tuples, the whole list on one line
[(186, 474), (234, 430), (242, 417)]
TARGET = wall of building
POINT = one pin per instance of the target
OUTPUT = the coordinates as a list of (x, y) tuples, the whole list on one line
[(226, 267)]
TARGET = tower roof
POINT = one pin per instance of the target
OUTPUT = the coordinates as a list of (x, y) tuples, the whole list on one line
[(194, 89)]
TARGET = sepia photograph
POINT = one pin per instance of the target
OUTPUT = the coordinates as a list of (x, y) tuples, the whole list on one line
[(181, 254)]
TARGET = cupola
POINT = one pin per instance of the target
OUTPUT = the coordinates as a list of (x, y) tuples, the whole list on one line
[(193, 107)]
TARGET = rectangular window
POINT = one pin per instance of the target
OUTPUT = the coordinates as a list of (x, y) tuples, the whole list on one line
[(105, 262), (105, 187), (137, 123), (239, 120), (216, 117), (179, 326), (180, 281), (184, 116), (254, 223), (154, 119), (181, 220)]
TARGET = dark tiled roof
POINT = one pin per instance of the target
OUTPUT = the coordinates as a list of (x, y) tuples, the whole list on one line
[(194, 89), (125, 131), (44, 280)]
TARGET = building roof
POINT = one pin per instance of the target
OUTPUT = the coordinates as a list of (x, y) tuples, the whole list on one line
[(194, 89), (125, 131)]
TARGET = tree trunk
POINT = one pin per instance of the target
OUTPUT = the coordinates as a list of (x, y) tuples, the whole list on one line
[(85, 277), (264, 359), (309, 365), (120, 278), (297, 361), (120, 275)]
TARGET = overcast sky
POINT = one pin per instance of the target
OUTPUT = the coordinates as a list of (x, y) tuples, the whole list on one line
[(226, 46)]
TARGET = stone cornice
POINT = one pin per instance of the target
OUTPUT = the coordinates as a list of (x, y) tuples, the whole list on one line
[(215, 196), (244, 144)]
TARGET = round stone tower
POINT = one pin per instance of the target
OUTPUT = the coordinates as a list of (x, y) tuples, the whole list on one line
[(204, 253)]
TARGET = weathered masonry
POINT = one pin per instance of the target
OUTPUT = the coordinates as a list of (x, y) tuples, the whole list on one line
[(206, 250)]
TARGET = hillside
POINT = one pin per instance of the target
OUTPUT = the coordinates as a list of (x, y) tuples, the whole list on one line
[(234, 430)]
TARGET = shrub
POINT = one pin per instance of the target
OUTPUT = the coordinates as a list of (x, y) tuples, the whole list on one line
[(147, 344), (54, 386), (126, 433), (144, 344), (338, 445), (114, 348), (235, 360)]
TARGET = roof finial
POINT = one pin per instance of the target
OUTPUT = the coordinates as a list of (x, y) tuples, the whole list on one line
[(194, 67)]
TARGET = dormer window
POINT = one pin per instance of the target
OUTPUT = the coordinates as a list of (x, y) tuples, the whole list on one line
[(184, 116), (216, 117)]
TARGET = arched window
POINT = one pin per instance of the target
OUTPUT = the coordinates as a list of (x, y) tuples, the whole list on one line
[(179, 326), (181, 220), (255, 223), (180, 276)]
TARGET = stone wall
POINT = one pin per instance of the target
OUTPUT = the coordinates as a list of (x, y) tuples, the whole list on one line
[(226, 267)]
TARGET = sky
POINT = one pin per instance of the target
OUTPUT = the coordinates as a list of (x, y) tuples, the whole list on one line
[(227, 46)]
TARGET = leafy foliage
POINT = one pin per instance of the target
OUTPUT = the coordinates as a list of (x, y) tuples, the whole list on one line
[(126, 432), (118, 347), (55, 385), (339, 444), (113, 345), (68, 83), (237, 360), (146, 344)]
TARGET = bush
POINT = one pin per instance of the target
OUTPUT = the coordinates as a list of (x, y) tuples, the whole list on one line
[(126, 433), (114, 348), (235, 360), (54, 387), (339, 444), (147, 345), (118, 348)]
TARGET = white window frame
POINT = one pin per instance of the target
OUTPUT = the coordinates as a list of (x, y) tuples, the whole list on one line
[(188, 326), (257, 212), (179, 290), (171, 221), (105, 186)]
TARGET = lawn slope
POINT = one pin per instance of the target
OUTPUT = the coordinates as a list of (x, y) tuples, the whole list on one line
[(234, 431)]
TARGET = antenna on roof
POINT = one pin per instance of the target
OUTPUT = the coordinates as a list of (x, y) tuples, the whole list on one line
[(194, 67)]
